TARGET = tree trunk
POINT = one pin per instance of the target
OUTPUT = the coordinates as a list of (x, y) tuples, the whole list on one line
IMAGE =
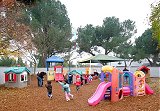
[(43, 60), (125, 63), (107, 52), (131, 62), (35, 65), (150, 62), (155, 59), (92, 53)]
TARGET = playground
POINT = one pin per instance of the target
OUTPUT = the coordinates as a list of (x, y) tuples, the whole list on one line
[(33, 98), (97, 62)]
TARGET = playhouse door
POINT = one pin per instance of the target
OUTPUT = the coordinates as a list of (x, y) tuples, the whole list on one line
[(50, 75), (58, 73)]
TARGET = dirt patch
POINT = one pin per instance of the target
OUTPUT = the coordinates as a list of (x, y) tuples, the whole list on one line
[(33, 98)]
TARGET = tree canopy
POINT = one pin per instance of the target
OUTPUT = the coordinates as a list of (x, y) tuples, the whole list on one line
[(146, 48), (50, 26), (86, 38), (155, 22), (110, 35), (34, 25), (9, 62), (14, 35)]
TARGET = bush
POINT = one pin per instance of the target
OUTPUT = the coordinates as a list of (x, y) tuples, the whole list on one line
[(9, 62)]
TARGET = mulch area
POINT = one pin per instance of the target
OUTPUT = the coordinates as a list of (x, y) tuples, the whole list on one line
[(33, 98)]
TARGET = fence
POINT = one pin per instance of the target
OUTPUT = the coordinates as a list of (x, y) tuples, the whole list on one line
[(154, 71)]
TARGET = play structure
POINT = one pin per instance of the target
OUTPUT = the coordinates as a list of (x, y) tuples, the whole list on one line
[(114, 90), (146, 71), (58, 72), (16, 77), (74, 75), (88, 70), (55, 73), (50, 75)]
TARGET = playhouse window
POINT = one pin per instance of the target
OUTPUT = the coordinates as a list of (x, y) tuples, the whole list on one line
[(58, 70), (23, 77), (139, 75), (11, 77)]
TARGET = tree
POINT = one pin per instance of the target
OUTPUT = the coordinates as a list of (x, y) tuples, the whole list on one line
[(6, 61), (116, 33), (125, 51), (110, 35), (50, 26), (86, 37), (14, 36), (155, 22), (20, 62), (146, 48), (29, 2)]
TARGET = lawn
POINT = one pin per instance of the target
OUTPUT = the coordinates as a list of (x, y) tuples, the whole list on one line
[(33, 98)]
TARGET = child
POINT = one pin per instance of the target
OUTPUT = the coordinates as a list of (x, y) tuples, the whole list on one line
[(78, 83), (81, 80), (70, 78), (49, 89), (90, 78), (86, 78), (66, 90), (39, 80)]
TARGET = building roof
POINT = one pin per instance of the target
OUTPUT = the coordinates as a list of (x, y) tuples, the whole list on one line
[(17, 70)]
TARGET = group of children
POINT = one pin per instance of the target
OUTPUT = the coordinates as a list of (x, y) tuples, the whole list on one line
[(65, 87), (83, 78), (79, 81)]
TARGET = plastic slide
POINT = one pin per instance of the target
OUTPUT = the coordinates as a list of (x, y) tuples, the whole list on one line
[(126, 91), (99, 93), (148, 89)]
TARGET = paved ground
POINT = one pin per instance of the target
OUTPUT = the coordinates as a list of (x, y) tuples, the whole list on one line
[(33, 98)]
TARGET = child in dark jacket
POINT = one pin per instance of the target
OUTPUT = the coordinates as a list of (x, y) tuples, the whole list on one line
[(49, 89)]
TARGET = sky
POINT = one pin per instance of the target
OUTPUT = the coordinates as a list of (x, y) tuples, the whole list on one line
[(82, 12)]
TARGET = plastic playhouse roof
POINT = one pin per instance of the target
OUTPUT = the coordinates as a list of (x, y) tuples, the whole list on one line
[(143, 67), (17, 70), (76, 72), (55, 59)]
